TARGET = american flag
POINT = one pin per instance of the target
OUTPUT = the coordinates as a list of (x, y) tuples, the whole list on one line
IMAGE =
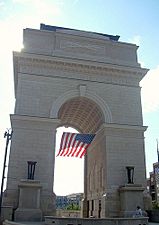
[(74, 145)]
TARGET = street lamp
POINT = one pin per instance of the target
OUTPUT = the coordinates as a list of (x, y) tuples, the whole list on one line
[(130, 174), (31, 169), (8, 135)]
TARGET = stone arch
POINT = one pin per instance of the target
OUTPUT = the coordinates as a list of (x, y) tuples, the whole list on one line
[(59, 65), (76, 93)]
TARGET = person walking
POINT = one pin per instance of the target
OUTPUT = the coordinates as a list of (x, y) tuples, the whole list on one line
[(138, 212)]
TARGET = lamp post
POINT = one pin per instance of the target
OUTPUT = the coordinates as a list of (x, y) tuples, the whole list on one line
[(8, 135), (31, 169), (130, 174)]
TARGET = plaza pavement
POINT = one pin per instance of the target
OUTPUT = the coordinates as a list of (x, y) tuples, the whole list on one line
[(43, 223), (150, 223)]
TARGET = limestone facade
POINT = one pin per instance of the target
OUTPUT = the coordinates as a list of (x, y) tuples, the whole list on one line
[(90, 82)]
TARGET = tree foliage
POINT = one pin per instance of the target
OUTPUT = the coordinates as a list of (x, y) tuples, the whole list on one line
[(155, 205), (73, 207)]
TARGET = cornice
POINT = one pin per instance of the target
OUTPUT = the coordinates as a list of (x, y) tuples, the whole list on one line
[(81, 65), (124, 126), (33, 118), (122, 130), (88, 70), (33, 123)]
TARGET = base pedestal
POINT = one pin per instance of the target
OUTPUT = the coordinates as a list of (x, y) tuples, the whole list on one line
[(131, 196), (84, 208), (29, 201)]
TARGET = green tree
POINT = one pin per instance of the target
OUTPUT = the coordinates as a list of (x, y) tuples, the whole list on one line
[(73, 207)]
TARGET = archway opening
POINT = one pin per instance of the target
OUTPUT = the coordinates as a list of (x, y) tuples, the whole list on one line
[(69, 171), (85, 116)]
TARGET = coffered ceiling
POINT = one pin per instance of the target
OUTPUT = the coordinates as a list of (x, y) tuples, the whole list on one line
[(82, 114)]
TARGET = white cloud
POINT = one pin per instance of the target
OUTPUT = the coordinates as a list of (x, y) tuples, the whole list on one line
[(150, 91), (75, 2), (12, 26), (21, 1), (135, 40), (1, 4), (41, 7), (11, 34)]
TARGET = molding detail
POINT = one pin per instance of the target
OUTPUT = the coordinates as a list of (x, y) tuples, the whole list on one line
[(85, 66)]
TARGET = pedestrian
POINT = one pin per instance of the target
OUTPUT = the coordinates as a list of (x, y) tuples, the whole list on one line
[(138, 212)]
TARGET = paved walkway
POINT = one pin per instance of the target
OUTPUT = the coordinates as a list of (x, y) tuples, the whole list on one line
[(42, 223), (153, 223)]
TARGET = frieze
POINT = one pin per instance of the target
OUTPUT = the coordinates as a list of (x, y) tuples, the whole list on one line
[(78, 46)]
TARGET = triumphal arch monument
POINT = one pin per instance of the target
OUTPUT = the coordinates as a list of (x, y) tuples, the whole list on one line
[(89, 81)]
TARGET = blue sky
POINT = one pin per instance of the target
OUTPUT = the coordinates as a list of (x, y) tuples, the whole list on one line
[(134, 21)]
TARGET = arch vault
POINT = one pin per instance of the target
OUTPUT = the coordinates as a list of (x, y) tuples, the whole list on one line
[(88, 81)]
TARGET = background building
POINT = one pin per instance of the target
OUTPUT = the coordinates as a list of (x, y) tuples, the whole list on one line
[(63, 202), (153, 183)]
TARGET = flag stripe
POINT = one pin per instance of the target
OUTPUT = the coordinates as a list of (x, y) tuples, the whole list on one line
[(84, 151), (72, 136), (61, 144), (75, 148), (80, 149), (64, 143), (72, 145)]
